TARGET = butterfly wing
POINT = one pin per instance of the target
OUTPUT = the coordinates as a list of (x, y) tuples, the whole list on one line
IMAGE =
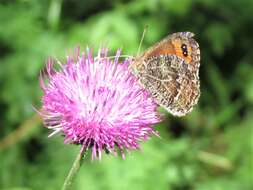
[(169, 71), (171, 82), (181, 44)]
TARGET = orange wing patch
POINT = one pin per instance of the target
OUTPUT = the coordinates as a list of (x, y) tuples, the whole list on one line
[(179, 51), (173, 47), (167, 51)]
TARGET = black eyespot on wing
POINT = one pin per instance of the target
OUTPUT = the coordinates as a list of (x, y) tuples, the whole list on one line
[(184, 50), (184, 47)]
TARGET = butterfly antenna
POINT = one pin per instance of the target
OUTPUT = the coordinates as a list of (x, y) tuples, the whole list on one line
[(142, 38)]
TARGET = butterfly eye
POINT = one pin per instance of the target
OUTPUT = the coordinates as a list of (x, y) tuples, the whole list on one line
[(184, 50)]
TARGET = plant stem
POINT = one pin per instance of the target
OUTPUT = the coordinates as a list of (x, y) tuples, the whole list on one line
[(74, 169), (22, 132)]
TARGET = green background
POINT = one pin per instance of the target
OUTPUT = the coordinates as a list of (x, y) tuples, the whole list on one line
[(210, 149)]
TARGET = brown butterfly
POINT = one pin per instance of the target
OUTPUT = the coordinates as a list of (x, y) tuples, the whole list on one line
[(169, 70)]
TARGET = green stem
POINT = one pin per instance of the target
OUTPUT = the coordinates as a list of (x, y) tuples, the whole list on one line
[(74, 169)]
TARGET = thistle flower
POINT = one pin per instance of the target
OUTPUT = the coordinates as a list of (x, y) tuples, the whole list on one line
[(97, 103)]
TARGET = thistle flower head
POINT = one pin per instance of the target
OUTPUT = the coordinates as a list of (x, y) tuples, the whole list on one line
[(97, 102)]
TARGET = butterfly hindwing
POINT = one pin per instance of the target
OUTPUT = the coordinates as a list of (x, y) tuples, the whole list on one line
[(170, 82)]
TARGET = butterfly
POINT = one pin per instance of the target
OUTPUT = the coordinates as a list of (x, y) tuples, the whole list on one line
[(169, 70)]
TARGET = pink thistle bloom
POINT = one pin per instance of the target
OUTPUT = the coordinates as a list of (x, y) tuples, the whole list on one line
[(97, 102)]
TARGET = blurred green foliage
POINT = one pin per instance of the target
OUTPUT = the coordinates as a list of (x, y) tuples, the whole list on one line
[(211, 149)]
